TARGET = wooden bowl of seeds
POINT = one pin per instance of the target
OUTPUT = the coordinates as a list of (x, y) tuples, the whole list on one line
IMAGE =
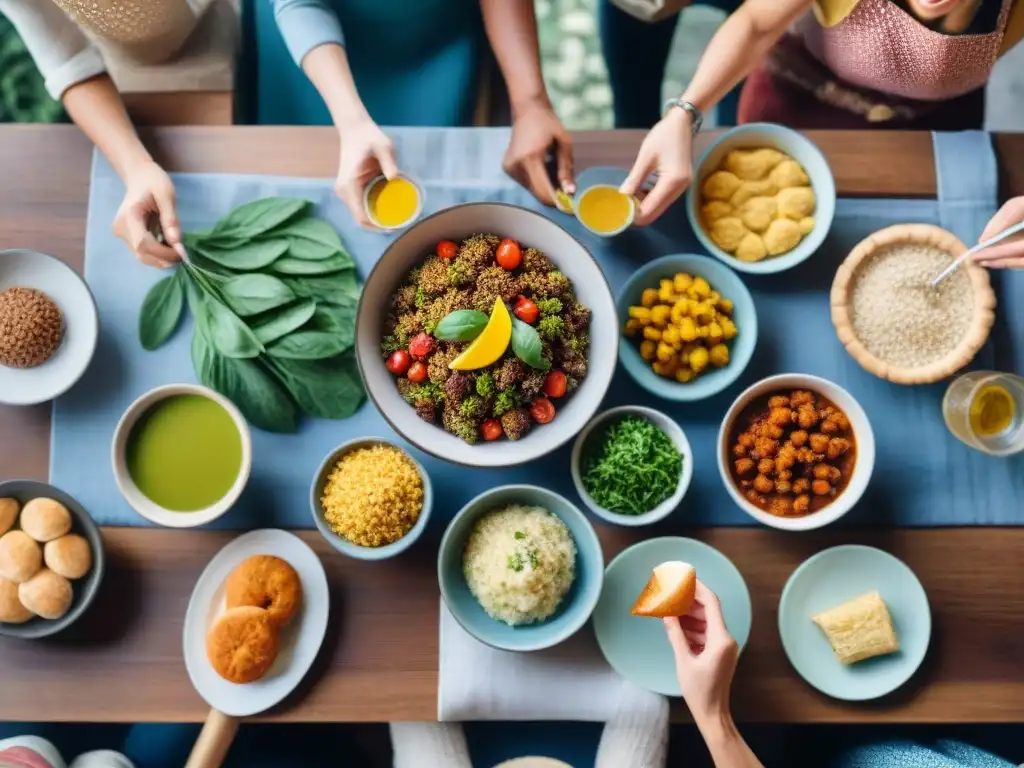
[(893, 322)]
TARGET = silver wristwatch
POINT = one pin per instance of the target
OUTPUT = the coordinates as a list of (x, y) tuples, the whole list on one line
[(696, 114)]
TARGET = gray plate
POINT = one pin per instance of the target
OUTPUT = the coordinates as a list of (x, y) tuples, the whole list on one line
[(85, 589)]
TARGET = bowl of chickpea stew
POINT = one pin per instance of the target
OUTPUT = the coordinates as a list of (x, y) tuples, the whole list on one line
[(689, 327), (796, 451)]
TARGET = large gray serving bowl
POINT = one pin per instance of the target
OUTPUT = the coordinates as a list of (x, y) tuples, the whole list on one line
[(531, 229), (85, 588)]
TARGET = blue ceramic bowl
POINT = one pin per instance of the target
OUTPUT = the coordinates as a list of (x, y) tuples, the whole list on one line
[(577, 605), (342, 544), (801, 149), (730, 286)]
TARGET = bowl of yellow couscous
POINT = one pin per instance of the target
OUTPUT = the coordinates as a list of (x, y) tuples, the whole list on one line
[(370, 499), (689, 327)]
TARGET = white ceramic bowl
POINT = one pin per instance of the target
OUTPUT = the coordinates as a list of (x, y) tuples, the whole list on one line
[(31, 269), (532, 230), (612, 232), (801, 149), (136, 499), (862, 432), (670, 428)]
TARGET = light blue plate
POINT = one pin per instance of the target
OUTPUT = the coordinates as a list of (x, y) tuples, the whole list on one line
[(575, 607), (637, 647), (741, 349), (832, 577)]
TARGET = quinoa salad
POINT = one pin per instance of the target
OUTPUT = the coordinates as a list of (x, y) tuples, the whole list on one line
[(486, 338)]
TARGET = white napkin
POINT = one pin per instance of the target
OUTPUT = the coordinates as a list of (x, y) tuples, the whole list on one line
[(571, 681)]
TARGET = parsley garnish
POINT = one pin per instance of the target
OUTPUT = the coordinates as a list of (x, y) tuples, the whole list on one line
[(515, 562), (634, 467), (519, 535)]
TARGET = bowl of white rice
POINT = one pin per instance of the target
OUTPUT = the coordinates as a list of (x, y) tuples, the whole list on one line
[(520, 568)]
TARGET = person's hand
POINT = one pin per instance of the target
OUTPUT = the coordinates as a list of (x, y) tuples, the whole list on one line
[(1010, 252), (149, 194), (366, 152), (536, 130), (665, 153), (706, 656)]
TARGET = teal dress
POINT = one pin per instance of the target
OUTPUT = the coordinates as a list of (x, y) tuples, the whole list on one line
[(415, 62)]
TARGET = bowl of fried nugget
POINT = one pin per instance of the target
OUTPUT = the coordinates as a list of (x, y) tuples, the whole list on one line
[(763, 198)]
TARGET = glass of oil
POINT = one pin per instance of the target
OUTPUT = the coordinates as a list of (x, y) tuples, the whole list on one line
[(985, 410)]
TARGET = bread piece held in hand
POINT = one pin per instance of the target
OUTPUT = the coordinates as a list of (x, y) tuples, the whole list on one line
[(669, 591)]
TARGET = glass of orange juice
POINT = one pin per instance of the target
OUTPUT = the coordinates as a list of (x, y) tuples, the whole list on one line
[(604, 210), (393, 204), (985, 410)]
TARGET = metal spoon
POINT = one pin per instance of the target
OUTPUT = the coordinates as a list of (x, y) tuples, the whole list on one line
[(1018, 227)]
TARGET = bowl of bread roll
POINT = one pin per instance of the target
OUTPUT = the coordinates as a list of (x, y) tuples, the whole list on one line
[(51, 559)]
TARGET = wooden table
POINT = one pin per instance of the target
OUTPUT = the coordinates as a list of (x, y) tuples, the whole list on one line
[(379, 662)]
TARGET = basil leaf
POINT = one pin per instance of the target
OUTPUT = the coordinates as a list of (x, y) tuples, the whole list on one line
[(527, 346), (257, 217), (461, 325), (257, 394), (283, 321), (337, 288), (161, 311), (249, 295), (290, 266), (230, 336), (328, 389), (248, 257), (308, 345)]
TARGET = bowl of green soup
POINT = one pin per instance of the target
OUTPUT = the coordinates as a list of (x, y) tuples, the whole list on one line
[(182, 454)]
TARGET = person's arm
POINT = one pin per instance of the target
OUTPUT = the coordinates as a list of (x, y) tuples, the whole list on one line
[(75, 74), (739, 45), (314, 37), (706, 656), (512, 31), (1010, 252)]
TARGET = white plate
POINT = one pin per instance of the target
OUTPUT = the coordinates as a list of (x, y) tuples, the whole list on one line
[(29, 269), (300, 640)]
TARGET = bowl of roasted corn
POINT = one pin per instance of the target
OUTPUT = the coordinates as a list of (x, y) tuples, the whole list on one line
[(689, 327)]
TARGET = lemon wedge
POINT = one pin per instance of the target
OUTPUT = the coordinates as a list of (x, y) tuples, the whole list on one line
[(490, 344)]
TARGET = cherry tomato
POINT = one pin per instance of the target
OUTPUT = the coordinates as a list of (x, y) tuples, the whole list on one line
[(417, 373), (421, 346), (554, 384), (526, 310), (398, 362), (446, 249), (491, 429), (542, 410), (508, 255)]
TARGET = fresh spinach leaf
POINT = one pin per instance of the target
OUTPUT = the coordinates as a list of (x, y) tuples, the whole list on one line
[(289, 266), (248, 385), (281, 322), (461, 325), (337, 288), (337, 320), (247, 257), (229, 334), (254, 218), (327, 389), (317, 230), (527, 345), (249, 295), (161, 311), (308, 345), (308, 250)]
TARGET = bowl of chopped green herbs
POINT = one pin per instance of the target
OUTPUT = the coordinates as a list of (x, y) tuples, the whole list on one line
[(632, 465)]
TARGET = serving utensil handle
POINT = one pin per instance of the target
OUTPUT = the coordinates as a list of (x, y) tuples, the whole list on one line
[(214, 741), (1009, 231)]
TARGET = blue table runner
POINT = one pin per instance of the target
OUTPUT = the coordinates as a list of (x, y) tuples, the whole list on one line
[(923, 476)]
